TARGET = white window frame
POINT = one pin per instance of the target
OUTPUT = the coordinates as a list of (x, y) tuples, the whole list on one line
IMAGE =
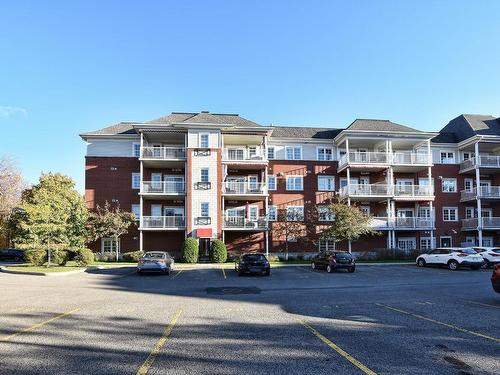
[(324, 149), (469, 153), (332, 188), (447, 159), (470, 212), (413, 240), (274, 216), (157, 206), (251, 209), (293, 152), (445, 237), (202, 205), (137, 214), (469, 181), (293, 187), (271, 150), (448, 179), (365, 210), (274, 178), (136, 177), (428, 243), (299, 215), (329, 245), (134, 154), (252, 151), (328, 216), (114, 245), (449, 209), (208, 174), (200, 136)]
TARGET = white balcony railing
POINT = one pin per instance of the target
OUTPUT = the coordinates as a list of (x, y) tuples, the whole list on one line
[(484, 161), (414, 222), (163, 153), (367, 190), (413, 191), (379, 223), (244, 223), (237, 154), (163, 222), (484, 223), (485, 192), (243, 187), (397, 158), (411, 158), (163, 187)]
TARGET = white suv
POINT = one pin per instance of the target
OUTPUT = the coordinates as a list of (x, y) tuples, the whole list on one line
[(491, 255), (452, 257)]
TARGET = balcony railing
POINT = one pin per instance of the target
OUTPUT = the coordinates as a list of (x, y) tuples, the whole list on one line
[(485, 192), (410, 158), (414, 223), (484, 161), (244, 187), (242, 155), (162, 222), (163, 187), (244, 223), (397, 158), (484, 223), (413, 191), (379, 223), (367, 190), (163, 153)]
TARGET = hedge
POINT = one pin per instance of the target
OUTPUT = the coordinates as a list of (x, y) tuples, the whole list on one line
[(35, 257), (59, 257), (218, 252), (84, 257), (132, 256), (189, 250)]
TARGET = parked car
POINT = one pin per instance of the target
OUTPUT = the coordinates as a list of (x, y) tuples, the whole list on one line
[(12, 254), (253, 263), (452, 257), (334, 260), (491, 255), (495, 278), (155, 261)]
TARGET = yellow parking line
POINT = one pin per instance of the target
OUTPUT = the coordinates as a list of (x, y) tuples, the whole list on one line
[(177, 274), (223, 273), (143, 370), (483, 304), (38, 325), (418, 316), (338, 349)]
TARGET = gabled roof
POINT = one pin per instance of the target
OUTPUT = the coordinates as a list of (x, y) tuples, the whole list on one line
[(380, 125), (122, 128), (466, 126), (299, 132)]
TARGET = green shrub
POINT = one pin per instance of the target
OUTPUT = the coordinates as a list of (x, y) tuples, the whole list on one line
[(190, 250), (218, 252), (84, 257), (35, 257), (132, 256), (59, 257), (273, 258)]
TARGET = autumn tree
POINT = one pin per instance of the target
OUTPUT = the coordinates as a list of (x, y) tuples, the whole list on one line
[(288, 226)]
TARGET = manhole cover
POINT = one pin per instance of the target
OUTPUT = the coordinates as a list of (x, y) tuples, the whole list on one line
[(233, 290)]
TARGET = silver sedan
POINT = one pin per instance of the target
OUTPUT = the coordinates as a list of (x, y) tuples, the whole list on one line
[(155, 261)]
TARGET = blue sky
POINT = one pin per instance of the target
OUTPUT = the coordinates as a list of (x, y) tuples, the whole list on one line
[(73, 66)]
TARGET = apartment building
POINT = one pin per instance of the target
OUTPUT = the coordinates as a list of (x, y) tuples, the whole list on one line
[(210, 175)]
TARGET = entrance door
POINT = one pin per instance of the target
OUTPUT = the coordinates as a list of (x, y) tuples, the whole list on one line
[(204, 248), (174, 184)]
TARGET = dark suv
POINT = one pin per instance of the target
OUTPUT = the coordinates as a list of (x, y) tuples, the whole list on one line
[(333, 261), (253, 263), (12, 254)]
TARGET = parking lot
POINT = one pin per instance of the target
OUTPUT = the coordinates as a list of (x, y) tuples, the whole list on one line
[(380, 319)]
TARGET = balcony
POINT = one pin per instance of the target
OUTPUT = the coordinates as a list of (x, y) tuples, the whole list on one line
[(380, 223), (162, 222), (492, 223), (414, 223), (366, 191), (244, 157), (410, 161), (242, 223), (162, 156), (491, 162), (402, 161), (244, 189), (162, 189), (413, 192), (485, 192)]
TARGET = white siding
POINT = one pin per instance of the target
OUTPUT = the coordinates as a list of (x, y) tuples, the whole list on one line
[(118, 148), (194, 137), (436, 154), (309, 151)]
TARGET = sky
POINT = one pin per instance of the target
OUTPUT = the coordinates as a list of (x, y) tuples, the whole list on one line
[(74, 66)]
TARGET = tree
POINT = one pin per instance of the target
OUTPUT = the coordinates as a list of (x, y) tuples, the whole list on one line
[(349, 223), (11, 188), (290, 226), (51, 216), (110, 222)]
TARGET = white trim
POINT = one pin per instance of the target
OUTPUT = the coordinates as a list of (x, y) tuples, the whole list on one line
[(133, 149), (295, 207), (325, 176), (302, 184), (454, 161), (199, 140), (449, 179), (293, 153), (324, 148), (250, 207), (275, 212), (450, 208), (273, 176), (441, 238), (136, 174)]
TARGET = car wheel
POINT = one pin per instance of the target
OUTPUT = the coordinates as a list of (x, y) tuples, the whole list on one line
[(329, 269), (313, 266), (485, 265), (351, 269), (453, 265), (421, 262)]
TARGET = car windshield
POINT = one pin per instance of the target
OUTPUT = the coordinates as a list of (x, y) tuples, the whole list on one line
[(496, 250), (343, 254), (154, 255), (254, 258), (466, 251)]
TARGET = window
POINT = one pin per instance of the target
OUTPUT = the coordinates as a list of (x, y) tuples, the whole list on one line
[(295, 213), (425, 243), (343, 182), (293, 152), (271, 182), (467, 155), (109, 245), (252, 151), (253, 213), (449, 185), (136, 180), (326, 183), (294, 183), (450, 214), (136, 210), (204, 177), (204, 140), (272, 213), (326, 245), (324, 153), (365, 210), (324, 214), (445, 241), (447, 157), (204, 209), (270, 152), (407, 243), (136, 150), (468, 184), (470, 212)]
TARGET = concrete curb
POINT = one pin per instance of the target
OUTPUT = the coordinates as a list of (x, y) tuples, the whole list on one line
[(5, 270)]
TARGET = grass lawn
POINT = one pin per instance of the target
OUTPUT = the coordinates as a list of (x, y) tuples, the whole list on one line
[(43, 269)]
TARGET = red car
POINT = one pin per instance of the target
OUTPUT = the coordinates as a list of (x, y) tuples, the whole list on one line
[(495, 278)]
